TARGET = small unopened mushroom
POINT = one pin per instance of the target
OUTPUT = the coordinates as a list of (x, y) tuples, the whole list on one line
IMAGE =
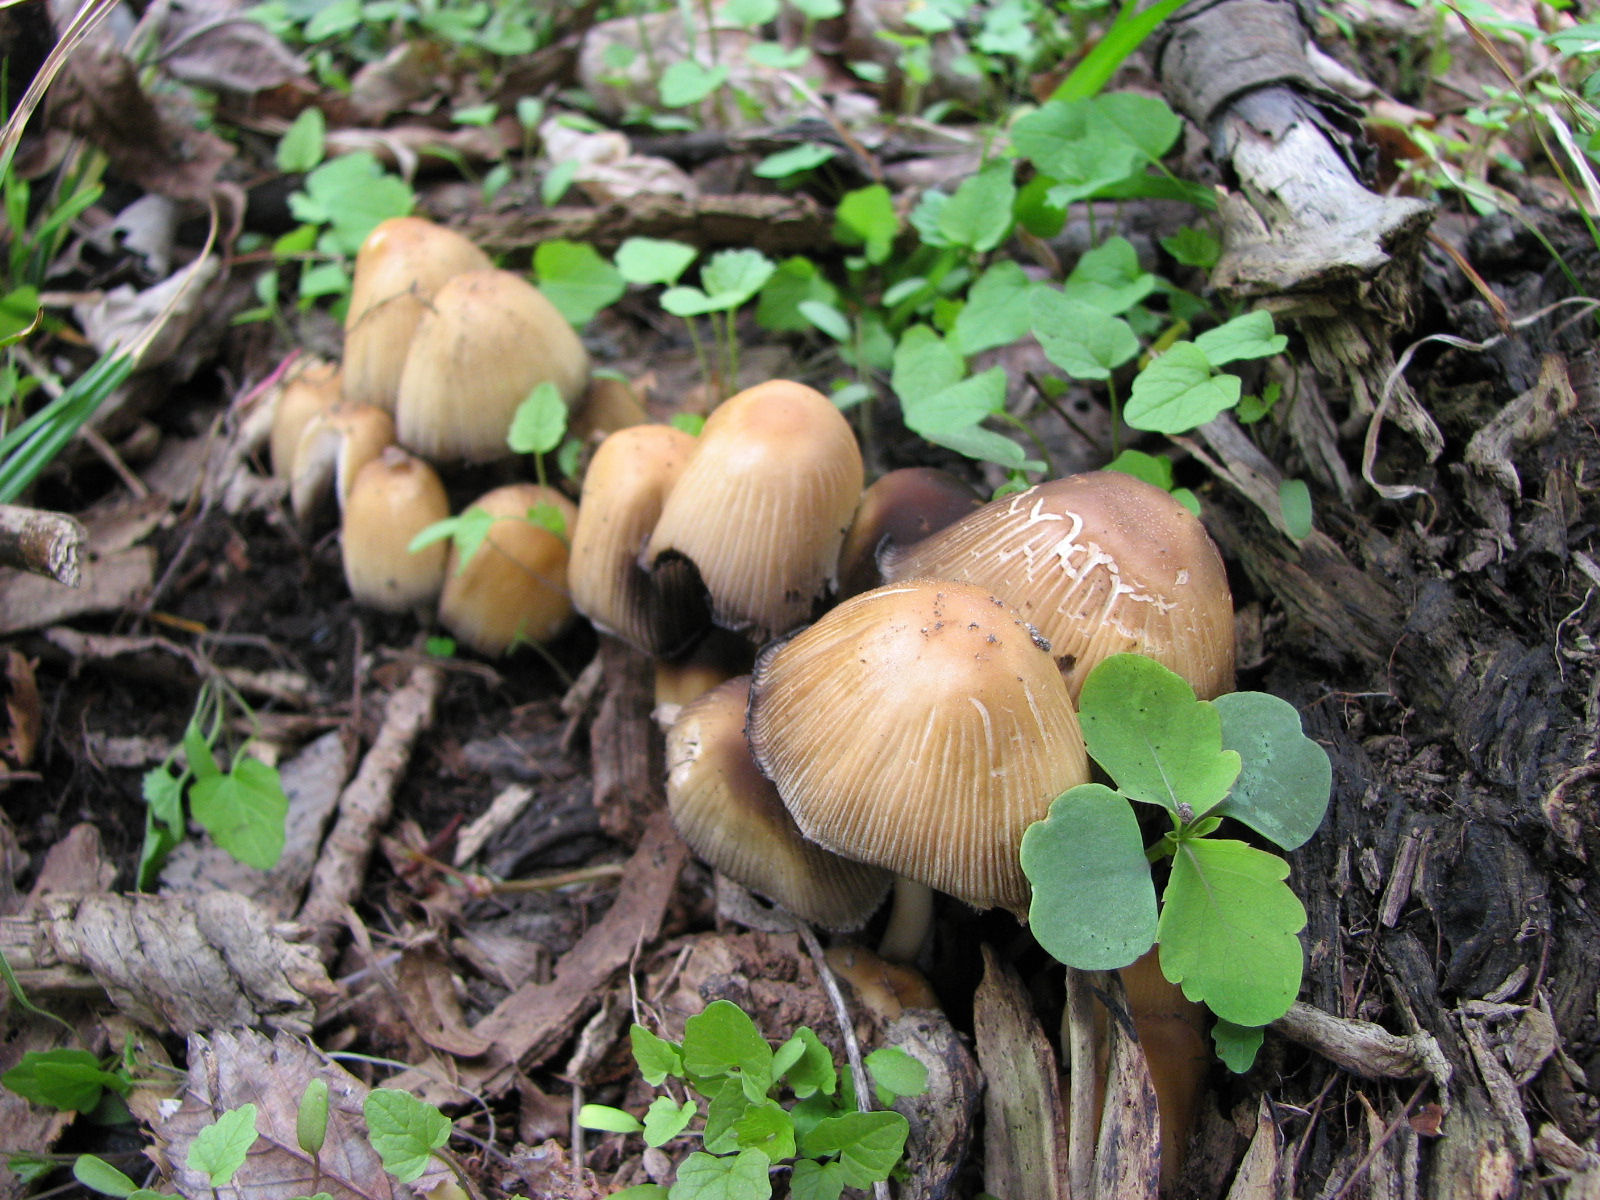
[(897, 509), (760, 511), (487, 340), (333, 446), (1101, 563), (312, 387), (627, 483), (403, 262), (716, 658), (731, 817), (514, 587), (394, 497), (921, 726)]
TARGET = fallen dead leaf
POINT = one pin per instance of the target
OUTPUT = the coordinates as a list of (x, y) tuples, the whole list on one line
[(22, 711)]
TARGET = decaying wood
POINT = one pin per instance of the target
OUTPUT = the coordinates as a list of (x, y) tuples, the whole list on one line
[(175, 964), (366, 804), (46, 543), (108, 583), (625, 752), (1024, 1138), (1127, 1155), (1367, 1049), (531, 1023), (942, 1118)]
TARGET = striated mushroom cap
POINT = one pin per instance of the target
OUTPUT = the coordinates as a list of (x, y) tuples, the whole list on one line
[(394, 497), (922, 727), (1101, 563), (487, 340), (514, 588), (334, 444), (313, 387), (762, 508), (624, 489), (403, 262), (731, 817)]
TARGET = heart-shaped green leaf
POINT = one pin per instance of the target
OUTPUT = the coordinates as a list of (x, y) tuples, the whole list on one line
[(1283, 788)]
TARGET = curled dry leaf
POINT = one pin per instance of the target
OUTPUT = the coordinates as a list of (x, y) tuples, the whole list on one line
[(21, 734)]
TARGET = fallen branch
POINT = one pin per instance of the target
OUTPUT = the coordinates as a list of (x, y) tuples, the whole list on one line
[(46, 543)]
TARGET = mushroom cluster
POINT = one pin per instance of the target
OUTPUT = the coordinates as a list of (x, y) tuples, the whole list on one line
[(440, 349)]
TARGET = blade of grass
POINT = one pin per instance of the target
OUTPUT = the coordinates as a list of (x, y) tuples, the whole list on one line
[(1126, 34)]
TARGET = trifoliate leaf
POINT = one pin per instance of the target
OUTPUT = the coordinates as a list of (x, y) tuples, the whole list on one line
[(1094, 906), (1178, 392), (1160, 745), (1228, 930), (404, 1131), (1236, 1044), (219, 1149), (1283, 787), (868, 1144), (1082, 340)]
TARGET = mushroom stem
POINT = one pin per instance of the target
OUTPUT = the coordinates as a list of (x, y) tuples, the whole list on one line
[(909, 921)]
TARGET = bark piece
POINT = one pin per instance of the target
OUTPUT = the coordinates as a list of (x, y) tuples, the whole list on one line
[(1127, 1157), (1369, 1050), (174, 964), (1024, 1147), (46, 543), (626, 754), (943, 1117)]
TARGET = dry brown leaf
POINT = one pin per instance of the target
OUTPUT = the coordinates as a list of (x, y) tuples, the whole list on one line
[(110, 583), (231, 1068), (22, 711)]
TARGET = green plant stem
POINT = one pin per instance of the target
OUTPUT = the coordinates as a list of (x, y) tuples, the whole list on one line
[(1114, 402), (700, 355), (444, 1155)]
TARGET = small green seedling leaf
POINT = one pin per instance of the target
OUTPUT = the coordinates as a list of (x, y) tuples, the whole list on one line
[(895, 1073), (978, 215), (1144, 122), (657, 1057), (469, 529), (1228, 930), (867, 218), (1294, 498), (197, 751), (804, 157), (797, 283), (742, 1176), (300, 148), (1059, 138), (1178, 392), (731, 277), (71, 1080), (1094, 906), (813, 1180), (728, 1103), (540, 421), (311, 1118), (1152, 468), (666, 1119), (644, 260), (607, 1119), (244, 811), (641, 1191), (404, 1131), (1109, 278), (812, 1072), (1283, 788), (1082, 340), (766, 1127), (687, 82), (999, 309), (100, 1176), (1191, 247), (220, 1148), (722, 1040), (868, 1144), (1248, 336), (576, 279), (351, 194), (1236, 1044), (1143, 724)]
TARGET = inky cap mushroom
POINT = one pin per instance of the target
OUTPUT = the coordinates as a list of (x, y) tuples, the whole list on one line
[(731, 817), (762, 507), (922, 727), (897, 509), (1101, 563), (403, 262), (487, 340), (335, 444), (312, 387), (394, 497)]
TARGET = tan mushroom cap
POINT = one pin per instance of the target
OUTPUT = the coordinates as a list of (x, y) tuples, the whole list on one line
[(335, 444), (1101, 563), (731, 817), (487, 340), (313, 386), (514, 588), (394, 497), (399, 267), (762, 507), (624, 489), (919, 726)]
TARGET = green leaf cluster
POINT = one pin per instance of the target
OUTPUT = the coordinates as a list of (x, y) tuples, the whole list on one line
[(736, 1083), (1227, 923)]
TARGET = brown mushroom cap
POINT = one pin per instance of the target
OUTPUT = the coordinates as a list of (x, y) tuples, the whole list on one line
[(394, 497), (919, 726), (335, 444), (514, 589), (312, 387), (624, 490), (762, 507), (897, 509), (403, 262), (731, 817), (1101, 563), (487, 340)]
